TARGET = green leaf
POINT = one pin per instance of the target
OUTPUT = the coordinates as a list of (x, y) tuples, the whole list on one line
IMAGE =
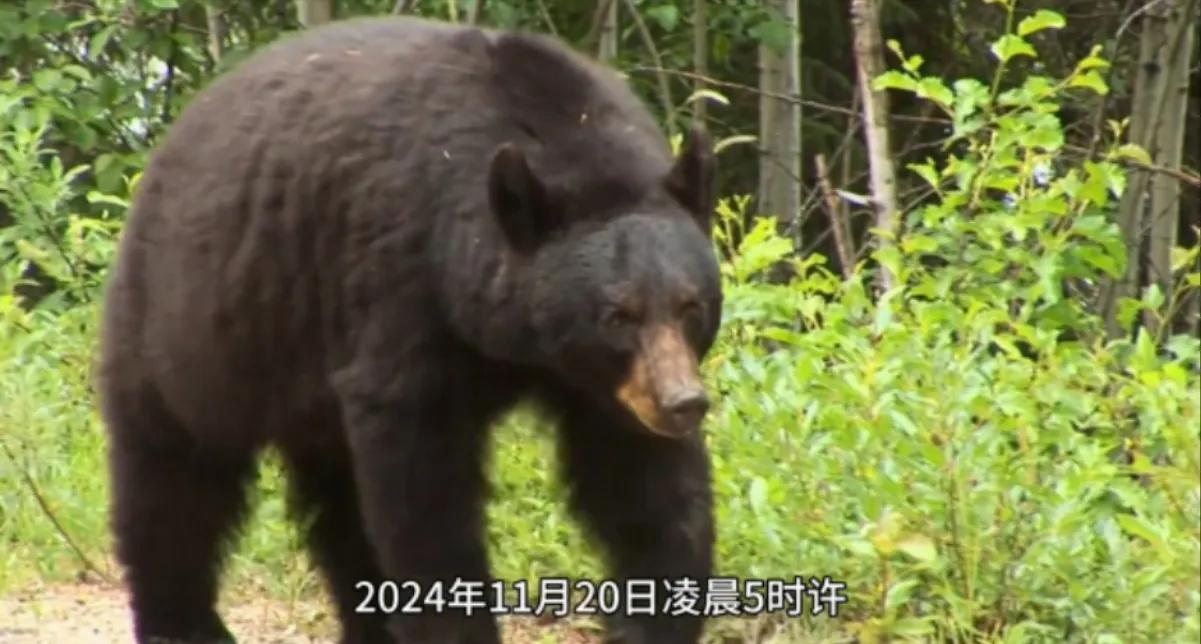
[(1139, 527), (757, 494), (77, 71), (1100, 259), (913, 63), (47, 80), (667, 15), (1096, 187), (708, 94), (99, 40), (918, 546), (893, 79), (99, 197), (898, 594), (1009, 45), (1090, 80), (1042, 19), (1134, 152), (933, 88), (912, 628), (1182, 257), (861, 547), (733, 140), (772, 33), (1092, 62), (1128, 308), (927, 171), (1153, 297)]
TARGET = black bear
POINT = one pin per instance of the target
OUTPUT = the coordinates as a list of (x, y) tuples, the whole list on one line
[(361, 247)]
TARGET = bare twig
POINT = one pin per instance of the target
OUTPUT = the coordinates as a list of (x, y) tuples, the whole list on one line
[(550, 24), (700, 52), (169, 82), (837, 215), (826, 107), (1134, 15), (58, 526), (669, 110), (1178, 174), (1112, 49)]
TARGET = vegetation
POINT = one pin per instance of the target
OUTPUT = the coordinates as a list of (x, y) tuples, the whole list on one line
[(983, 418)]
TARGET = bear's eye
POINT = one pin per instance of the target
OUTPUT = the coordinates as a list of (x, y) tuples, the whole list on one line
[(620, 318), (689, 309)]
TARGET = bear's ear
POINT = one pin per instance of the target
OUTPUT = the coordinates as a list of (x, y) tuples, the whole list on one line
[(517, 199), (693, 177)]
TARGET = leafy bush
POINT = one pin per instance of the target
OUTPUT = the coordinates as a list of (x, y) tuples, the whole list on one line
[(966, 450)]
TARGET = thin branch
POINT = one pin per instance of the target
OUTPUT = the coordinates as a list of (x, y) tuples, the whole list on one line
[(1103, 103), (1180, 175), (597, 25), (700, 53), (169, 81), (837, 215), (1134, 16), (669, 111), (784, 97), (58, 526), (545, 12)]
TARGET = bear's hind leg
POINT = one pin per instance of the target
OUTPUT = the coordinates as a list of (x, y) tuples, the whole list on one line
[(174, 503), (324, 498)]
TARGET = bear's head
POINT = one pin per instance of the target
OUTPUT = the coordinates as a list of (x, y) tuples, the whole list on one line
[(621, 307)]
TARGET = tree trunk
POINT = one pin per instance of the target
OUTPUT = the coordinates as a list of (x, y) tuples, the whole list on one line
[(1169, 131), (476, 13), (869, 63), (217, 31), (700, 54), (607, 47), (780, 122), (1152, 73), (312, 13)]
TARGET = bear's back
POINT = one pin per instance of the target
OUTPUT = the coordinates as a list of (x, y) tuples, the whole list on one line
[(271, 191), (360, 116)]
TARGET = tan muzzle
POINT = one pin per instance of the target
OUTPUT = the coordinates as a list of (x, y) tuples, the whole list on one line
[(663, 388)]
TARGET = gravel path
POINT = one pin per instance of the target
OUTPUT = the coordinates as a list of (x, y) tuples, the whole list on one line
[(98, 614)]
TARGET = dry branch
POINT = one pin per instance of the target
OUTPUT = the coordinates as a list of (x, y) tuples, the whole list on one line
[(648, 41), (33, 488), (838, 218)]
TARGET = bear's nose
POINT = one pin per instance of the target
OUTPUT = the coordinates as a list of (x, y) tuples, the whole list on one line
[(687, 408)]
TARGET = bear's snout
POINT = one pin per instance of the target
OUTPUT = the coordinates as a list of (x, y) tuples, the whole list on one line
[(663, 388)]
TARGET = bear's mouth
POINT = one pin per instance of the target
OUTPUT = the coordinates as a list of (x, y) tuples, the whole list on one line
[(663, 388)]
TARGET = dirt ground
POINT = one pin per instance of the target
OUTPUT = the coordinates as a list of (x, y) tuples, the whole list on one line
[(98, 614)]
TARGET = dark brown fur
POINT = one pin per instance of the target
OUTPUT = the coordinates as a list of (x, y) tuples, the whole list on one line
[(319, 258)]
